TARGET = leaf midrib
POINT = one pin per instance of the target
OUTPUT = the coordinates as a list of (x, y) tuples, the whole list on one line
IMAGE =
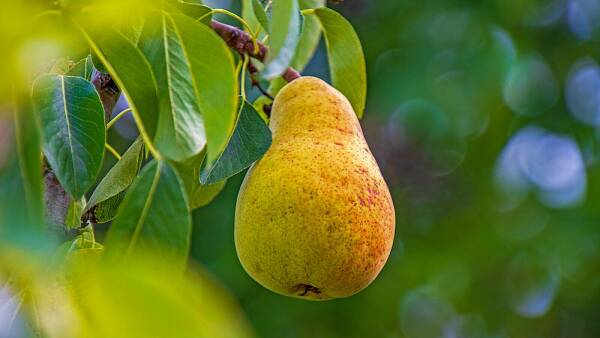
[(138, 227), (115, 75), (68, 123), (189, 63), (169, 78)]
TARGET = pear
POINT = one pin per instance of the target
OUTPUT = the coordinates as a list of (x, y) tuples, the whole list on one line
[(314, 218)]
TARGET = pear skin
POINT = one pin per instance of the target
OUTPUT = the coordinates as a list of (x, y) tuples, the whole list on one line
[(314, 217)]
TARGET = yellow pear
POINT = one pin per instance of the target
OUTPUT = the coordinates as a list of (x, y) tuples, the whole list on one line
[(314, 217)]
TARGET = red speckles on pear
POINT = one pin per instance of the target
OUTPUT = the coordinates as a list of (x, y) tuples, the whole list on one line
[(314, 217)]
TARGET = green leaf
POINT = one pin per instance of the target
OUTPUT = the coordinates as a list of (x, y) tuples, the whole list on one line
[(74, 212), (131, 28), (309, 41), (206, 193), (189, 171), (259, 105), (180, 132), (21, 191), (146, 298), (194, 9), (192, 2), (28, 143), (250, 140), (84, 68), (74, 134), (249, 17), (260, 14), (131, 72), (154, 216), (118, 178), (60, 66), (212, 68), (283, 40), (106, 211), (311, 34), (346, 58), (98, 64), (198, 194), (83, 295)]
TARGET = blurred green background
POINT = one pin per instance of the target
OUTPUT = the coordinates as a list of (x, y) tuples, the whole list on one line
[(483, 117)]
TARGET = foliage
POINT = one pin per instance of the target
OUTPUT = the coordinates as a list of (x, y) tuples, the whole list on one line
[(184, 88), (483, 116)]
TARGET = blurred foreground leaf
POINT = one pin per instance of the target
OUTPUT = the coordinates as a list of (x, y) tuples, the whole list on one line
[(194, 9), (21, 191), (154, 215), (209, 63), (84, 68), (81, 295)]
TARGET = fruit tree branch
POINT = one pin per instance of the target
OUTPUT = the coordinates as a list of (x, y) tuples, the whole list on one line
[(108, 91), (242, 42)]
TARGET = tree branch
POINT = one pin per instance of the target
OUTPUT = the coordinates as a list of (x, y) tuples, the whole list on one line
[(57, 202), (108, 90), (241, 42)]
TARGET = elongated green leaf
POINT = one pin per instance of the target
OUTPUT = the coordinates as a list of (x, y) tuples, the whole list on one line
[(131, 72), (199, 194), (74, 134), (119, 177), (84, 68), (28, 143), (60, 66), (21, 193), (206, 193), (154, 216), (309, 41), (180, 132), (249, 142), (148, 298), (106, 211), (131, 28), (260, 14), (346, 58), (74, 212), (194, 9), (311, 34), (189, 171), (87, 296), (249, 17), (283, 40), (191, 2), (215, 84), (98, 64)]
